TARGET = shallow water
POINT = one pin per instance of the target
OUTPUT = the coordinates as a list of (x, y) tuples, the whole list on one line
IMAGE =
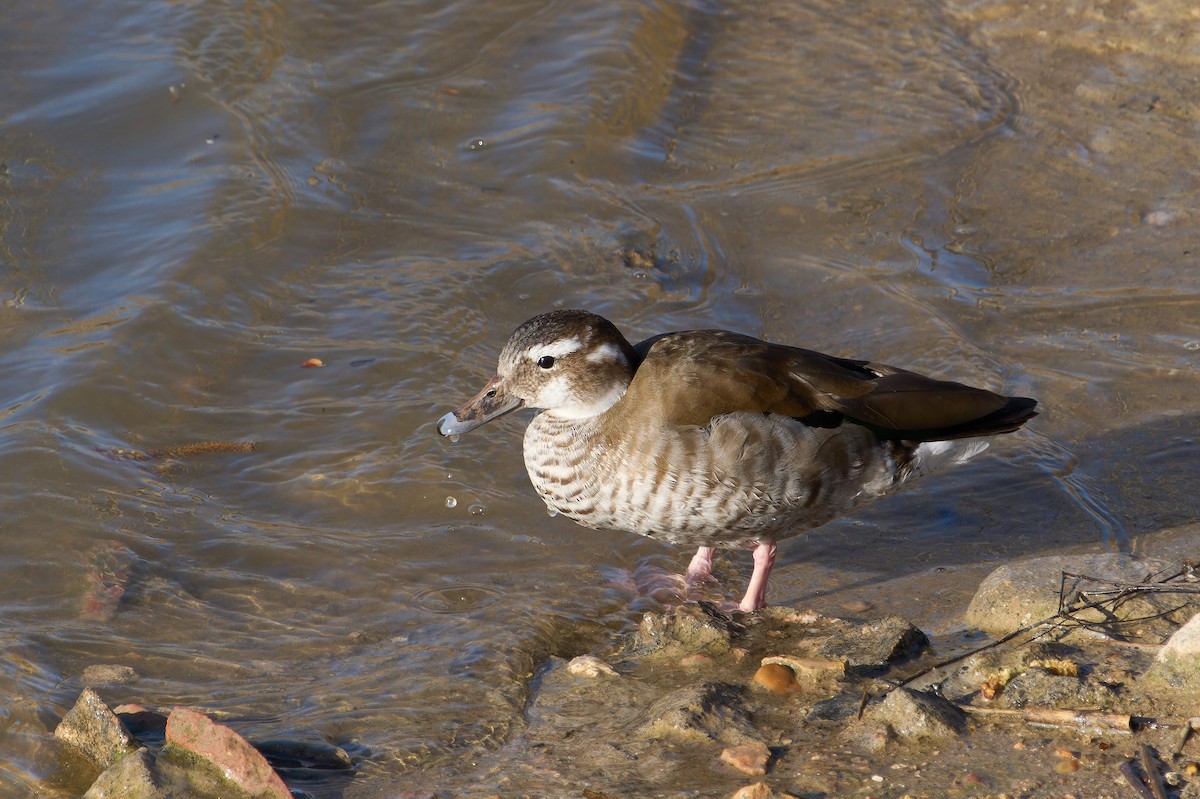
[(198, 197)]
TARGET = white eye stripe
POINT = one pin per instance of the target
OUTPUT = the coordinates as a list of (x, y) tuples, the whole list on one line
[(555, 349), (606, 352)]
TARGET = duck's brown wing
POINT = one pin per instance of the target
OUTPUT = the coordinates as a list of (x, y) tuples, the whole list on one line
[(688, 378)]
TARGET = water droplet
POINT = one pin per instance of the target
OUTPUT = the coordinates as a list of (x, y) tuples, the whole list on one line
[(451, 502), (477, 509), (551, 512), (476, 144)]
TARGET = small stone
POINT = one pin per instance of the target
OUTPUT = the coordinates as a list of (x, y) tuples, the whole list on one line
[(856, 606), (312, 363), (751, 758), (777, 679), (95, 731), (108, 675), (759, 790), (802, 665), (1067, 766), (1191, 769), (590, 666), (695, 661)]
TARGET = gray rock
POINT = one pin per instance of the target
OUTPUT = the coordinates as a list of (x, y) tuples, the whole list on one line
[(917, 715), (712, 712), (875, 644), (683, 630), (1021, 593), (1178, 662), (1037, 688), (94, 731), (103, 674), (131, 777)]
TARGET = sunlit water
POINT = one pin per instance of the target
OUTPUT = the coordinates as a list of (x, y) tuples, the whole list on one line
[(196, 198)]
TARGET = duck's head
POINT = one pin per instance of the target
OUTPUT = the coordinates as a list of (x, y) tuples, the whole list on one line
[(572, 364)]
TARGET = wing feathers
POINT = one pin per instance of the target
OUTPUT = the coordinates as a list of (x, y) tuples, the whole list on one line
[(688, 378)]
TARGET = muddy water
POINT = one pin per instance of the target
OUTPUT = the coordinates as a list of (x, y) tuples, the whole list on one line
[(197, 197)]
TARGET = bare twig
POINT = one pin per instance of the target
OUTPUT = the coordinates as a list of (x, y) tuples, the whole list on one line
[(1067, 612), (1059, 717)]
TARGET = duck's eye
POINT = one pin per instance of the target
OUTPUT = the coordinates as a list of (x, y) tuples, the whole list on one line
[(546, 362)]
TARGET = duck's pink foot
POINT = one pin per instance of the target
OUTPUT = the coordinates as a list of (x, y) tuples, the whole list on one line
[(700, 569), (756, 592)]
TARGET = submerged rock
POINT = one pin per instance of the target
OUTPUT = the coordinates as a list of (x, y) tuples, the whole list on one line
[(94, 731), (702, 714), (590, 666), (103, 674), (193, 740)]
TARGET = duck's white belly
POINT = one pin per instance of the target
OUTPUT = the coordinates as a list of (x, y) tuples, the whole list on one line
[(741, 479)]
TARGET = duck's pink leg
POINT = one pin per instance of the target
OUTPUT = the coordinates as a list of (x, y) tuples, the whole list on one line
[(756, 592), (700, 569)]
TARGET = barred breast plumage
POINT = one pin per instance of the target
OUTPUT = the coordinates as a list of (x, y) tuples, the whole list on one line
[(709, 438)]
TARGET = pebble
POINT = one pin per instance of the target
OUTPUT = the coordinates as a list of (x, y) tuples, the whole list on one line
[(751, 758), (777, 679), (590, 666), (759, 790), (693, 661)]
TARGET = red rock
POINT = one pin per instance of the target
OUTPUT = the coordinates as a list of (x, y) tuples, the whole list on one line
[(237, 761), (751, 758)]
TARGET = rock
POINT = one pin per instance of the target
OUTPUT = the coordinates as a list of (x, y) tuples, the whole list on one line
[(195, 739), (751, 758), (1021, 593), (874, 645), (94, 731), (108, 675), (304, 755), (918, 715), (712, 712), (1035, 687), (590, 666), (1178, 662), (685, 630), (777, 678), (131, 777), (759, 790)]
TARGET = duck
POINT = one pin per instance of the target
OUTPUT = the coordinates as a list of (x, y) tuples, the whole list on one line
[(714, 439)]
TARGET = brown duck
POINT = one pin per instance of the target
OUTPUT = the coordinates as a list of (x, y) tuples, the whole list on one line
[(709, 438)]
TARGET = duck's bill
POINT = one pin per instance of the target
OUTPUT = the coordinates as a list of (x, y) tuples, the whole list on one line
[(492, 402)]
